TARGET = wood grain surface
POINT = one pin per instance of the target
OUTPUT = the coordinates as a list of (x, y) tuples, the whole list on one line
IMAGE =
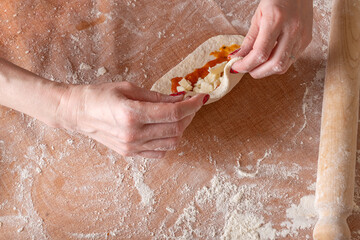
[(337, 153), (249, 158)]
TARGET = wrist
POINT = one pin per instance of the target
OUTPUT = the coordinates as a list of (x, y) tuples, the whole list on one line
[(69, 107), (47, 97)]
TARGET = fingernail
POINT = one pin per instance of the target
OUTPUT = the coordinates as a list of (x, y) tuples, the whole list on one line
[(233, 71), (177, 94), (235, 51), (206, 98)]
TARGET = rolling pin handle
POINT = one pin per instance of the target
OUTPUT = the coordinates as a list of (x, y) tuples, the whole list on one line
[(330, 228)]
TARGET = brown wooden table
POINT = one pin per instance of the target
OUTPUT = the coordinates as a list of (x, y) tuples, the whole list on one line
[(246, 165)]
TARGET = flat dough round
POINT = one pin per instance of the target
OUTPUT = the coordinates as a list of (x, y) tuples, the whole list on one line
[(198, 58)]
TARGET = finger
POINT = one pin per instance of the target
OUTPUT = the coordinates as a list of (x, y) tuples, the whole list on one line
[(146, 112), (152, 154), (165, 130), (263, 46), (151, 131), (250, 37), (165, 144), (279, 61), (115, 145), (152, 149), (140, 94)]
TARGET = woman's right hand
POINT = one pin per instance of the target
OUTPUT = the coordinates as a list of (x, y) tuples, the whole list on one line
[(126, 118)]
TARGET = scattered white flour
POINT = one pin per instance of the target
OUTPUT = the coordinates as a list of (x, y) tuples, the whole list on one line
[(88, 236), (324, 6), (239, 206), (312, 187), (161, 34), (242, 174), (243, 220), (183, 228), (101, 71), (74, 38), (356, 208), (243, 211), (247, 226), (147, 195), (170, 210), (29, 219), (280, 171), (84, 66), (300, 216), (118, 78), (304, 107)]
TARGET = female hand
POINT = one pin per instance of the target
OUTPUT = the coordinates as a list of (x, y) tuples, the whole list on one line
[(280, 31), (128, 119)]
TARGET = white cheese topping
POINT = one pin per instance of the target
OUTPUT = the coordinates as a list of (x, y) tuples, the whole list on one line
[(206, 85)]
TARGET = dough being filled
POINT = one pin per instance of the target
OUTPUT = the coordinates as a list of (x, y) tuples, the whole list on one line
[(217, 83)]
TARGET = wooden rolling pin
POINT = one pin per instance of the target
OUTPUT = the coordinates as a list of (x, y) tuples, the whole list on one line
[(337, 153)]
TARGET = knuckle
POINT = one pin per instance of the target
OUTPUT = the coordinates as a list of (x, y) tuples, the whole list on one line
[(119, 135), (284, 71), (294, 32), (130, 119), (178, 129), (250, 38), (159, 155), (255, 18), (177, 141), (127, 150), (126, 85), (279, 14), (173, 143), (129, 137), (262, 56), (176, 113), (125, 154), (279, 67), (256, 76), (276, 17), (158, 96), (295, 26)]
